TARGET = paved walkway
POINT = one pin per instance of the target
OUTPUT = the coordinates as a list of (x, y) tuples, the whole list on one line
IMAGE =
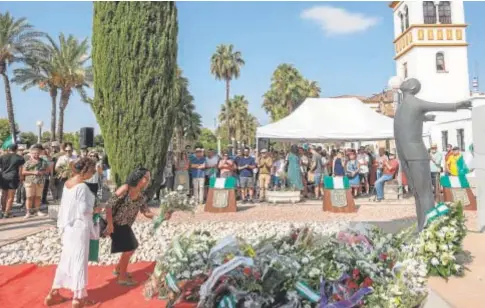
[(17, 228)]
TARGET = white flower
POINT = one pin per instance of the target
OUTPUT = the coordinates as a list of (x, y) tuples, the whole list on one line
[(185, 274), (180, 188), (435, 261), (305, 260)]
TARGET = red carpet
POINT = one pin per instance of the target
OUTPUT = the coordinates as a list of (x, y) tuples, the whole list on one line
[(27, 285)]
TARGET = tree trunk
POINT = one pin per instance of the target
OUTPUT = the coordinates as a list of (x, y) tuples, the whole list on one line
[(8, 94), (53, 93), (228, 87), (180, 139), (65, 94)]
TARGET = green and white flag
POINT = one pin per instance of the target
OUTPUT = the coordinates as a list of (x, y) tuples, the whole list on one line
[(7, 143), (460, 181), (439, 210), (222, 183), (172, 283), (306, 292), (227, 301), (339, 182)]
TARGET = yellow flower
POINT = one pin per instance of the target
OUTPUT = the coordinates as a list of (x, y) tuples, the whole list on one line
[(250, 251)]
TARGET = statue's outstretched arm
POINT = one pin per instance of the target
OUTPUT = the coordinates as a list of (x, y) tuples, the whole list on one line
[(430, 106)]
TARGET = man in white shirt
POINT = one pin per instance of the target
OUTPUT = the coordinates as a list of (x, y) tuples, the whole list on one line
[(63, 161)]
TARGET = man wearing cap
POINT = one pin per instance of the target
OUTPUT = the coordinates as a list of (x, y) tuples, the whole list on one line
[(435, 161), (265, 163), (197, 170), (390, 168)]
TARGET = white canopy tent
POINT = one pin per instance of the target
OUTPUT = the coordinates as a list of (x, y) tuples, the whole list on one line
[(330, 119)]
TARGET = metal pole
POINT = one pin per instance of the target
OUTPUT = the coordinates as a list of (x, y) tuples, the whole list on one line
[(39, 138)]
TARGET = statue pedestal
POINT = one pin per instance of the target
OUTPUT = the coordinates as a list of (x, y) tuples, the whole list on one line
[(221, 197), (337, 196), (457, 189)]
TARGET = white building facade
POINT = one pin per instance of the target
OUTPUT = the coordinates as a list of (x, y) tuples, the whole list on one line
[(430, 45)]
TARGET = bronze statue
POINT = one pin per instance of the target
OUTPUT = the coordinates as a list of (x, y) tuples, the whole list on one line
[(412, 153)]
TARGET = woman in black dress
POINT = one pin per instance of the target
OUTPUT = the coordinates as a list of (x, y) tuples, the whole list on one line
[(121, 212)]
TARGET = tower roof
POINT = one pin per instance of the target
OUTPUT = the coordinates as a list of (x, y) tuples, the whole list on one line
[(393, 4)]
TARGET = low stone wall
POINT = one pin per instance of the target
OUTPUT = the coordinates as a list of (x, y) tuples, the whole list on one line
[(391, 190)]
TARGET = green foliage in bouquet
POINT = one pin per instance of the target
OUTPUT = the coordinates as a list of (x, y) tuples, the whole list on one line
[(441, 241), (174, 201), (361, 266), (64, 171)]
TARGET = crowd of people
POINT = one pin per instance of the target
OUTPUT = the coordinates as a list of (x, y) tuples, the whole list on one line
[(302, 168), (28, 175)]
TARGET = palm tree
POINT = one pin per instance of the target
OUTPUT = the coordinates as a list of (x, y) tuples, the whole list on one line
[(40, 72), (234, 117), (187, 120), (288, 90), (69, 58), (18, 41), (226, 65)]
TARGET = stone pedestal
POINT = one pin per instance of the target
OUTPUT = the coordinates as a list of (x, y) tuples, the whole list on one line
[(464, 195), (221, 201), (281, 196), (391, 190), (338, 201)]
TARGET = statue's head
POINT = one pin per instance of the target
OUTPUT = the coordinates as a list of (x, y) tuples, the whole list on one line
[(411, 86)]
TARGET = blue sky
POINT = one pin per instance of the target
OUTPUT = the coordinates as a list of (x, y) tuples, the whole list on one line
[(267, 33)]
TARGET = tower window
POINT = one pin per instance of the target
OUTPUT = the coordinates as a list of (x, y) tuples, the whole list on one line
[(440, 62), (401, 17), (444, 12), (460, 138), (405, 69), (444, 140), (429, 12), (406, 17)]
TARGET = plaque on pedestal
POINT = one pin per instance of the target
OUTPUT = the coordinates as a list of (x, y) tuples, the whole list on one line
[(337, 196), (221, 197), (457, 189)]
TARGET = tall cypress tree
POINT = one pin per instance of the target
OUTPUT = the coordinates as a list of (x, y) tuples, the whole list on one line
[(134, 61)]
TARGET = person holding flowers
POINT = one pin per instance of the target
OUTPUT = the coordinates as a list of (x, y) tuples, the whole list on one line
[(121, 212), (75, 222)]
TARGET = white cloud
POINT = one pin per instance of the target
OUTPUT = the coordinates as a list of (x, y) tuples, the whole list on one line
[(335, 20)]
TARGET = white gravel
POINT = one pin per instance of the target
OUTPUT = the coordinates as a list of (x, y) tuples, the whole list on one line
[(45, 247)]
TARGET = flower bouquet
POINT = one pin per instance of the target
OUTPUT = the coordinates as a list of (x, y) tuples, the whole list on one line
[(357, 267), (174, 201)]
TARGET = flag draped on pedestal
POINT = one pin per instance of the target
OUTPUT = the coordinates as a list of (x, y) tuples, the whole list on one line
[(448, 181), (223, 183), (339, 182)]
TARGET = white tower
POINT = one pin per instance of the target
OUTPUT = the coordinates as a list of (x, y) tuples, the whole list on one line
[(430, 45)]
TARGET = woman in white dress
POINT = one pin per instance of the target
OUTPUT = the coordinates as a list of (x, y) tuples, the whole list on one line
[(75, 223)]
